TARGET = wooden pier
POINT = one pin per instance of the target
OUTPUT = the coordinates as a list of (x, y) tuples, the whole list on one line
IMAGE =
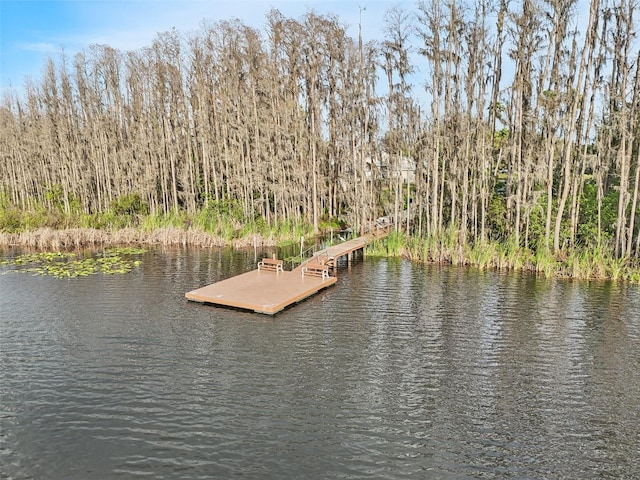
[(269, 288)]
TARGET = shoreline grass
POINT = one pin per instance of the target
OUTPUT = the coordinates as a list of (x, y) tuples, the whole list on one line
[(577, 264), (46, 229), (593, 264), (73, 238)]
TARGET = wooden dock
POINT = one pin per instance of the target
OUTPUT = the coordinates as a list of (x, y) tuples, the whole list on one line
[(269, 288)]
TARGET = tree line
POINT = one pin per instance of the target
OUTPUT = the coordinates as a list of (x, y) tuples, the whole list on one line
[(520, 121)]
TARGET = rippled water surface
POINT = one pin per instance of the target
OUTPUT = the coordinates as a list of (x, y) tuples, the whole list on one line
[(398, 371)]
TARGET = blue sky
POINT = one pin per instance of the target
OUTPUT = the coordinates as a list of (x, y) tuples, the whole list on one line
[(32, 30)]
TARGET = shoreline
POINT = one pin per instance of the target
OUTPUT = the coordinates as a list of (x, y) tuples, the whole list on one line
[(74, 238), (577, 266)]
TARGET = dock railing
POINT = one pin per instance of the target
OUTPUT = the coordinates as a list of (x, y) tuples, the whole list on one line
[(305, 255), (382, 224)]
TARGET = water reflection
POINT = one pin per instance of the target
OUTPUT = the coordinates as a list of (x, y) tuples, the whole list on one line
[(400, 370)]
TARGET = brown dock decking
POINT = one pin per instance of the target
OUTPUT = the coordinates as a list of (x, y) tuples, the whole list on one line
[(270, 289), (262, 291)]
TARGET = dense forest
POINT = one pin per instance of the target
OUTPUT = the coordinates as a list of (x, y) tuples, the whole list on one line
[(485, 120)]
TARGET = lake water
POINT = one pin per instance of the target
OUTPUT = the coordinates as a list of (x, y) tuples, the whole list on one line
[(398, 371)]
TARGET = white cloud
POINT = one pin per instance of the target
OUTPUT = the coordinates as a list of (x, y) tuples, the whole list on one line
[(39, 47), (129, 25)]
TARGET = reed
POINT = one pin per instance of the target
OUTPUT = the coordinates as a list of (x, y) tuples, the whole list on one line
[(483, 255), (584, 263), (617, 269), (449, 249), (544, 263), (396, 244), (377, 248), (77, 238)]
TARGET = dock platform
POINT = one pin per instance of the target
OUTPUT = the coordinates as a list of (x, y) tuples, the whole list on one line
[(270, 289), (262, 291)]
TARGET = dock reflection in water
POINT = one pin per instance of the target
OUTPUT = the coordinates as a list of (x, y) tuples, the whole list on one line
[(404, 371)]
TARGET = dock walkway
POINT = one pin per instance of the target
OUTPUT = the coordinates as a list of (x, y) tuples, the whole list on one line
[(269, 289)]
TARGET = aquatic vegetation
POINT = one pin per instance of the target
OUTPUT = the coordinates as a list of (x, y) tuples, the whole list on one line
[(112, 261)]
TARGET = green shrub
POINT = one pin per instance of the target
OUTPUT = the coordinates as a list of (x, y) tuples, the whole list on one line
[(129, 205), (10, 220)]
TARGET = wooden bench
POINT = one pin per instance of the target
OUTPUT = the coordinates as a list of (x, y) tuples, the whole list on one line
[(271, 265), (324, 259), (316, 270)]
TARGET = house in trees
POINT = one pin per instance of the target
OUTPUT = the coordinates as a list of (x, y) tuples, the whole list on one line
[(391, 167)]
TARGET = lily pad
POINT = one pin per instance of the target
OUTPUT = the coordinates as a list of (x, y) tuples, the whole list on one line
[(67, 265)]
